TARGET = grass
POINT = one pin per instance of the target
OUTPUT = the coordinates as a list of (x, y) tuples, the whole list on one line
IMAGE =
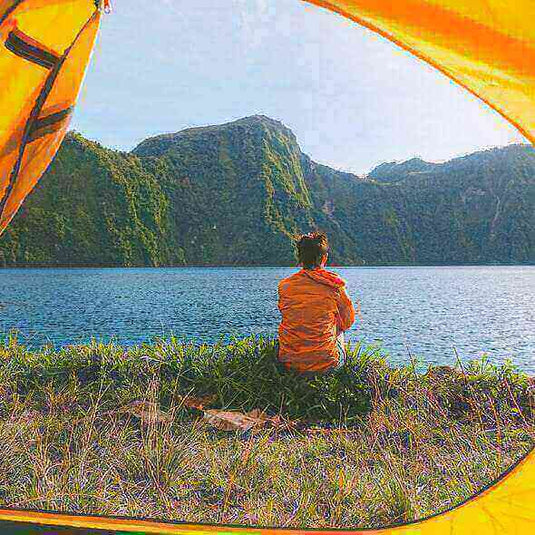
[(375, 445)]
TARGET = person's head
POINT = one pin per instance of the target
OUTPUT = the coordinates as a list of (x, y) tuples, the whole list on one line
[(312, 250)]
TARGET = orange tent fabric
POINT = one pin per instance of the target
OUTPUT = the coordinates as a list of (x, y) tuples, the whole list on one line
[(487, 46), (45, 47)]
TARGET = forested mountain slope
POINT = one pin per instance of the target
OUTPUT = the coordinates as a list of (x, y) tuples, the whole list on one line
[(234, 194)]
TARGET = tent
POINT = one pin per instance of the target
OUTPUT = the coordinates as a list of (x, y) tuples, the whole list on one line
[(486, 46)]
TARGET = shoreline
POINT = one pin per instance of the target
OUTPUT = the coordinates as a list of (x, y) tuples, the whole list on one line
[(255, 266)]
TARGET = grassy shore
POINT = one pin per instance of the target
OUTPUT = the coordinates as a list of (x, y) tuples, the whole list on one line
[(374, 445)]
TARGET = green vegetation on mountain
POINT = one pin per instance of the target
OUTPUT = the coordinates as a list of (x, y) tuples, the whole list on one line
[(235, 194)]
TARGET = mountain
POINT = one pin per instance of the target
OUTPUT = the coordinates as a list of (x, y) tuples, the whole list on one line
[(235, 194)]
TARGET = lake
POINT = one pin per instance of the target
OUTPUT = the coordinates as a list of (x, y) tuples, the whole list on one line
[(425, 310)]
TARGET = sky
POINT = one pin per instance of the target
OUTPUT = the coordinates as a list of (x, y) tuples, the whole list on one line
[(352, 98)]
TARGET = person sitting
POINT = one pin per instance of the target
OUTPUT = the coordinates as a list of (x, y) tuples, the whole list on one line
[(316, 311)]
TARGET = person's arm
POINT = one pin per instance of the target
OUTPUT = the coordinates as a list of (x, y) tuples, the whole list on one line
[(279, 298), (346, 311)]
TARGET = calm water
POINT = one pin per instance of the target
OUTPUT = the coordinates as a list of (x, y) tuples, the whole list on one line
[(430, 310)]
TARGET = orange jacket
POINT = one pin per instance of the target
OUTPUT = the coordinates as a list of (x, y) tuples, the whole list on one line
[(315, 307)]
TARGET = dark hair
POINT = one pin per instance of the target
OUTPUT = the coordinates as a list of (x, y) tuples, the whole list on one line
[(311, 248)]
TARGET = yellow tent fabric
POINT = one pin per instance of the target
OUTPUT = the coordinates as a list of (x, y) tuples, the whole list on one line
[(487, 46), (44, 49)]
